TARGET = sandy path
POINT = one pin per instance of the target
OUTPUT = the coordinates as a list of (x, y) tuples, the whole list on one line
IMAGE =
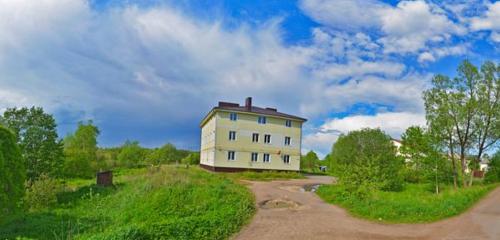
[(315, 219)]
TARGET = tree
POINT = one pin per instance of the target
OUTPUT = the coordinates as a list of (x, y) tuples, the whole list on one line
[(37, 137), (12, 171), (309, 161), (80, 150), (131, 154), (493, 173), (424, 159), (465, 110), (165, 154), (191, 159), (366, 160)]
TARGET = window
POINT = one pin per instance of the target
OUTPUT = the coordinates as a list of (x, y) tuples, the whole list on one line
[(287, 141), (233, 116), (262, 120), (255, 157), (267, 138), (286, 159), (288, 123), (230, 155), (232, 135), (267, 158), (255, 137)]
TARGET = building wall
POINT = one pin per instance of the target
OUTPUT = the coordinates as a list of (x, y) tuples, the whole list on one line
[(245, 126), (207, 151)]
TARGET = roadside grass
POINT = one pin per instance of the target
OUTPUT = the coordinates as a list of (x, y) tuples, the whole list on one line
[(264, 175), (158, 203), (415, 204)]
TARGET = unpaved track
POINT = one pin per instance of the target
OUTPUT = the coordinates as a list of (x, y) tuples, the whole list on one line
[(315, 219)]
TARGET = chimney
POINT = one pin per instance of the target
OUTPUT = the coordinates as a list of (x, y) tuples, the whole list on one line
[(248, 104)]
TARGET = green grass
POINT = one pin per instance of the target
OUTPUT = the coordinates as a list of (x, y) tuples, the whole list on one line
[(415, 204), (265, 175), (166, 203)]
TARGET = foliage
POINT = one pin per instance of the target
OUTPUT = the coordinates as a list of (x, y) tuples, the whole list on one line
[(131, 154), (424, 160), (37, 137), (192, 159), (80, 150), (166, 154), (309, 162), (42, 193), (366, 160), (416, 204), (265, 175), (12, 171), (493, 173), (465, 112), (164, 203)]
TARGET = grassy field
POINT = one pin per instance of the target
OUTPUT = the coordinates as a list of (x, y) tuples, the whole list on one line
[(415, 204), (163, 203)]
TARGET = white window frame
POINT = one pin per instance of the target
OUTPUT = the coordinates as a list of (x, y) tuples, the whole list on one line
[(253, 135), (235, 118), (229, 157), (262, 120), (286, 159), (288, 123), (268, 158), (256, 157), (270, 139), (289, 141), (232, 139)]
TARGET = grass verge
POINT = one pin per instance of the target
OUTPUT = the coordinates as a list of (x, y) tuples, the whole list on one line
[(163, 203), (415, 204)]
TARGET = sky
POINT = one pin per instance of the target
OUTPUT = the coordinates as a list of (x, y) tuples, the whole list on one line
[(150, 70)]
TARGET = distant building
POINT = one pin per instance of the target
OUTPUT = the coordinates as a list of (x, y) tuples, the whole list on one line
[(235, 138)]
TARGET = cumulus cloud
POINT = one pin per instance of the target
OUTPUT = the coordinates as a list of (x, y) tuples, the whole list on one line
[(489, 21), (393, 123)]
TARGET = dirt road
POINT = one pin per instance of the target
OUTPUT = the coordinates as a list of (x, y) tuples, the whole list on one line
[(295, 214)]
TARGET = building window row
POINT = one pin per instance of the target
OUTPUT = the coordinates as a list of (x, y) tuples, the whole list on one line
[(255, 138), (266, 157), (261, 119)]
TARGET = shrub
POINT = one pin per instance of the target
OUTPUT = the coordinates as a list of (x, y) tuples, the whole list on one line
[(42, 193), (366, 160), (192, 159), (12, 171), (493, 173)]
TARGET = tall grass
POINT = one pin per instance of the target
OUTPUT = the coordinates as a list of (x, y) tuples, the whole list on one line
[(265, 175), (163, 203), (415, 204)]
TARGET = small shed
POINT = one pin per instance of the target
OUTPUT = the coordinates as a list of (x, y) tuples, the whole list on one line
[(105, 178)]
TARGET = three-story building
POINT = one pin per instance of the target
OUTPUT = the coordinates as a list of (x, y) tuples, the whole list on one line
[(236, 138)]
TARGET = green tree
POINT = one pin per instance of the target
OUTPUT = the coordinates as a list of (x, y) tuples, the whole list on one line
[(165, 154), (310, 161), (80, 150), (493, 173), (191, 159), (131, 154), (425, 162), (12, 171), (465, 110), (37, 137), (365, 160)]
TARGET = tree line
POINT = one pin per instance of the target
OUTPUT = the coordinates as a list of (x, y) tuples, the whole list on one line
[(30, 149), (463, 125)]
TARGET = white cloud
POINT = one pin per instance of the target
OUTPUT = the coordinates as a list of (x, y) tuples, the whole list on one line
[(393, 123), (489, 21)]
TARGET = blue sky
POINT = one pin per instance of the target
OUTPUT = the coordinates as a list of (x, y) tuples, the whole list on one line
[(150, 70)]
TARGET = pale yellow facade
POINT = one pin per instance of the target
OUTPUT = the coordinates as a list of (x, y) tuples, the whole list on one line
[(216, 143)]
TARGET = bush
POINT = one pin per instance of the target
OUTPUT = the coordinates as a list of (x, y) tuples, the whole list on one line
[(493, 173), (192, 159), (12, 171), (366, 160), (42, 193)]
